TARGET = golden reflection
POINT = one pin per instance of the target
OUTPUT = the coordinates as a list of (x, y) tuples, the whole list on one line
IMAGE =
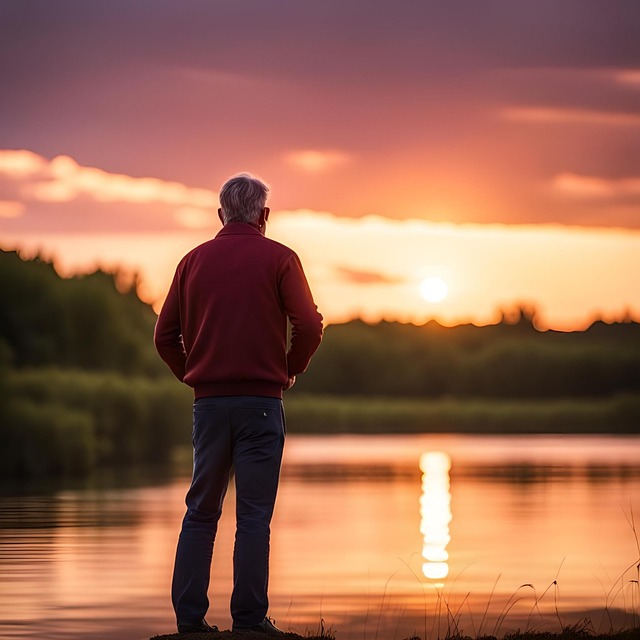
[(435, 513)]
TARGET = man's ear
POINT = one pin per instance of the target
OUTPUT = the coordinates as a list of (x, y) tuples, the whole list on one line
[(264, 216), (220, 216)]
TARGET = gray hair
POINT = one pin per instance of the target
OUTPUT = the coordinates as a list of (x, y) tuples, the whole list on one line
[(242, 199)]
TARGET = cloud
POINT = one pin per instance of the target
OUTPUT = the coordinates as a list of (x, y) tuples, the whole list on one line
[(356, 276), (194, 218), (628, 76), (11, 209), (20, 163), (560, 115), (596, 187), (35, 184), (317, 161), (62, 179), (68, 180)]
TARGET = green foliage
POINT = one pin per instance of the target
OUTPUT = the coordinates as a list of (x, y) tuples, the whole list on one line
[(132, 420), (41, 440), (83, 322), (504, 361)]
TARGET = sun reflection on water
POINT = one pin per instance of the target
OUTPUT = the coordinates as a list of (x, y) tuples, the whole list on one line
[(435, 513)]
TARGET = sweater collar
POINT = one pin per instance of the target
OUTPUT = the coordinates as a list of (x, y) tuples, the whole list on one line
[(238, 229)]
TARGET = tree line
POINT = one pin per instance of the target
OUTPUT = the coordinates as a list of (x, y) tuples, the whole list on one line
[(508, 360), (87, 322)]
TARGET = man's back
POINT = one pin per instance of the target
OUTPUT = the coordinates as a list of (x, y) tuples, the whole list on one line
[(232, 296)]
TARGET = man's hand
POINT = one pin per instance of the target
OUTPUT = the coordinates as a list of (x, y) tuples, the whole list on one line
[(289, 383)]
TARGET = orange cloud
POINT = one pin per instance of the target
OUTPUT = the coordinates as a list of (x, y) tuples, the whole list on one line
[(11, 209), (62, 180), (628, 76), (358, 276), (194, 218), (317, 161), (20, 163), (558, 115), (596, 187), (69, 180)]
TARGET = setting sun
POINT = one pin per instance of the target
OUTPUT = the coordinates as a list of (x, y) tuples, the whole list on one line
[(434, 289)]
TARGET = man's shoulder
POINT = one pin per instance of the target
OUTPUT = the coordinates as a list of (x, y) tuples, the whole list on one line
[(204, 247), (278, 247)]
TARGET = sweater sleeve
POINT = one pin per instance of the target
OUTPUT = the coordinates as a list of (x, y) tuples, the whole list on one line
[(168, 333), (306, 321)]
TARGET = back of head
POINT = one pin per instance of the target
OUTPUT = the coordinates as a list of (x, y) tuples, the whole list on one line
[(242, 199)]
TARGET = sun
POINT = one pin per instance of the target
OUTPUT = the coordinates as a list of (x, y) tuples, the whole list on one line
[(434, 289)]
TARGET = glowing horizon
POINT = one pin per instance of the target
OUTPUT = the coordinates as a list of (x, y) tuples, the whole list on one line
[(373, 268)]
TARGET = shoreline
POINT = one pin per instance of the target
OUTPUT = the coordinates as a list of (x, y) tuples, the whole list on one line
[(569, 633)]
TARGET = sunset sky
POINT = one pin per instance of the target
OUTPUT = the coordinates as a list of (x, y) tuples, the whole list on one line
[(493, 145)]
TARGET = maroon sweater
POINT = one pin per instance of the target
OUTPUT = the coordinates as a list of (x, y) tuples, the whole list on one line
[(223, 327)]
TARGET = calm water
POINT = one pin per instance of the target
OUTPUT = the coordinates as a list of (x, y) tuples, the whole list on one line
[(379, 536)]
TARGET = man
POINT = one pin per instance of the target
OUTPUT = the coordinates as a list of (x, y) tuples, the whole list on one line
[(223, 331)]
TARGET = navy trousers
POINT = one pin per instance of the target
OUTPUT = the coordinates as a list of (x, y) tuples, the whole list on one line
[(246, 434)]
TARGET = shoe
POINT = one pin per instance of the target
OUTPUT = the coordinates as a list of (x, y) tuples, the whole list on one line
[(266, 626), (196, 627)]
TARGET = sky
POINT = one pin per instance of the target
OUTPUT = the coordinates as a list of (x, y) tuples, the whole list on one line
[(493, 145)]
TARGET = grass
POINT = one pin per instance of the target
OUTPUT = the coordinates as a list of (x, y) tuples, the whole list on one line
[(446, 615), (446, 621), (576, 632), (614, 621)]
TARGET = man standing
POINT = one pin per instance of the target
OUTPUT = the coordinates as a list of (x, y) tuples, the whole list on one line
[(223, 331)]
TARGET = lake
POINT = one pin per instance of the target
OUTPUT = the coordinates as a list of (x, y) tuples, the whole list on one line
[(379, 536)]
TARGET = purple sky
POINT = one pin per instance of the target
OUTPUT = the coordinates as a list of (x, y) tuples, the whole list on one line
[(466, 111)]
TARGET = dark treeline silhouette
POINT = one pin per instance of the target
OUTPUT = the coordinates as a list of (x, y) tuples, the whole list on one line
[(507, 360), (81, 385), (85, 322)]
